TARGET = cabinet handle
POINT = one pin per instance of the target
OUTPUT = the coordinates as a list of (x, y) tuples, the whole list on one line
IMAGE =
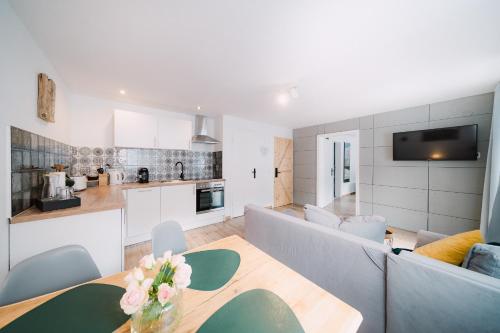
[(144, 190)]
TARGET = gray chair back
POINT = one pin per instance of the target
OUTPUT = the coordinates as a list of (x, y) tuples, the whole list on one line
[(47, 272), (168, 236)]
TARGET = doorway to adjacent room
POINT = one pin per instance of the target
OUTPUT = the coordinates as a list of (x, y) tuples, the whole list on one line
[(337, 171)]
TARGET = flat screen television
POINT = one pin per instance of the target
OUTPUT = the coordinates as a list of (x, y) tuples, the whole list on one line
[(439, 144)]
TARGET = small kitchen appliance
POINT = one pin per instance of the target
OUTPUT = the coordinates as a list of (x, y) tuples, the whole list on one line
[(116, 176), (143, 175)]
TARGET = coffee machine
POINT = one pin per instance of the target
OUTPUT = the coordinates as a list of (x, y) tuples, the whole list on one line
[(143, 175)]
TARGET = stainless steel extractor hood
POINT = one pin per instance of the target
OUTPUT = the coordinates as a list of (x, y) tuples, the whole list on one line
[(201, 131)]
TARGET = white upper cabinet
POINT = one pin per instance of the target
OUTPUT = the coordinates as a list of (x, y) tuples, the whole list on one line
[(174, 133), (135, 130), (139, 130)]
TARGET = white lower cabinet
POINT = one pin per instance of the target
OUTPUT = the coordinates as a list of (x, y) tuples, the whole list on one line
[(100, 233), (143, 213), (178, 203)]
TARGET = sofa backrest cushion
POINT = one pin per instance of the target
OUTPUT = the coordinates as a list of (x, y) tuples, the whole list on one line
[(321, 216), (370, 230), (485, 259)]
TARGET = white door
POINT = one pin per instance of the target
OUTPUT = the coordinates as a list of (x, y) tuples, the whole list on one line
[(252, 176), (174, 133), (178, 203), (325, 172), (143, 213), (135, 130)]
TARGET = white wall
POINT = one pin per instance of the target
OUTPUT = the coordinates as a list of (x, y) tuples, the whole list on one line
[(20, 62), (92, 121), (230, 127)]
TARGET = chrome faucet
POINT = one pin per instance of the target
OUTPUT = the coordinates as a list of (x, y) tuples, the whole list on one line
[(181, 176)]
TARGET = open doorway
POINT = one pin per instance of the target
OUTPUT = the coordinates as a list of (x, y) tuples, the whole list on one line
[(337, 172)]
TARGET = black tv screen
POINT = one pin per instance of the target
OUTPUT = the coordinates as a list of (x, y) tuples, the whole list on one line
[(440, 144)]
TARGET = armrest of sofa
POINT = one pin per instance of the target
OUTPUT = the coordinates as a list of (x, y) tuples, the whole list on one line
[(426, 237), (426, 295)]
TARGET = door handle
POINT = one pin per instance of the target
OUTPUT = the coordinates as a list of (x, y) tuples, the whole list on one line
[(276, 172), (254, 173)]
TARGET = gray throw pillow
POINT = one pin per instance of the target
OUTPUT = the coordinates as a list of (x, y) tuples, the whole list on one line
[(484, 258), (321, 216), (374, 230)]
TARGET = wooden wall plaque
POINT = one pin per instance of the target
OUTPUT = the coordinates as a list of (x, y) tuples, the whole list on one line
[(46, 98)]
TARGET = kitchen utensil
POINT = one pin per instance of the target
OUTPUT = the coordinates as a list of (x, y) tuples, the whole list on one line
[(116, 176), (103, 179)]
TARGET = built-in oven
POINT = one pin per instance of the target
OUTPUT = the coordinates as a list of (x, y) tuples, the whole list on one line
[(209, 197)]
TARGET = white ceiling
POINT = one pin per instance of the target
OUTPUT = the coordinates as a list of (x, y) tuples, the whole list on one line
[(347, 58)]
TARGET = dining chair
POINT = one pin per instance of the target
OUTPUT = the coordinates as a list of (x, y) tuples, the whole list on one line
[(168, 236), (49, 271)]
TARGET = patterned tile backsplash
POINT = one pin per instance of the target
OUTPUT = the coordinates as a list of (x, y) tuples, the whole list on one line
[(160, 162), (33, 155)]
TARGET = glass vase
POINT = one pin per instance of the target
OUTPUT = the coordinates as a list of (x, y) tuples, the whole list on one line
[(154, 319)]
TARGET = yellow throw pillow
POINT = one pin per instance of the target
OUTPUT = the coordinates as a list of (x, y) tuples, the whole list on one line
[(451, 249)]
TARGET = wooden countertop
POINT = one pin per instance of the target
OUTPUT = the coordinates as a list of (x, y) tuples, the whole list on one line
[(317, 310), (97, 199), (129, 186)]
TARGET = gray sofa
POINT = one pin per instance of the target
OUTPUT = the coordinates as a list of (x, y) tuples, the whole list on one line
[(394, 293), (351, 268)]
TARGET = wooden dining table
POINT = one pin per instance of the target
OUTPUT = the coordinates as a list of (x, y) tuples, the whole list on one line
[(316, 309)]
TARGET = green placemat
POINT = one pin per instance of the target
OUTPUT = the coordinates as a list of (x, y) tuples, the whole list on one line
[(86, 308), (212, 269), (254, 311)]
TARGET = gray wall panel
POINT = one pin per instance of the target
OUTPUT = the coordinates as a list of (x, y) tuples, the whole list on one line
[(308, 131), (463, 205), (365, 208), (464, 180), (417, 114), (412, 177), (365, 192), (304, 143), (462, 107), (366, 138), (304, 157), (449, 225), (302, 198), (343, 125), (365, 156), (402, 218), (366, 122), (305, 171), (408, 198), (365, 174), (305, 185)]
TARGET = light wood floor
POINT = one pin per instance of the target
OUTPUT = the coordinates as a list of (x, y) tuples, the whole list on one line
[(211, 233), (344, 205)]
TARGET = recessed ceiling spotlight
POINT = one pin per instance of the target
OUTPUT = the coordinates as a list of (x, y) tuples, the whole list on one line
[(283, 99), (293, 92), (122, 92), (198, 108)]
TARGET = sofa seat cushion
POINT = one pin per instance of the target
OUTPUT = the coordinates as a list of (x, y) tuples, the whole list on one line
[(485, 259), (451, 249)]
